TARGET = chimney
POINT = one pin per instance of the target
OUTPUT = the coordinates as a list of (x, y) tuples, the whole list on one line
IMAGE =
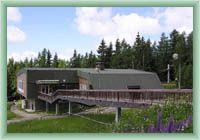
[(99, 65)]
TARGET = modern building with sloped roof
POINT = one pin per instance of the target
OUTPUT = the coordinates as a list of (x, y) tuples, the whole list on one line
[(51, 79)]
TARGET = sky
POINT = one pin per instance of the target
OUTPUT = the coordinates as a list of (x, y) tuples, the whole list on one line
[(63, 29)]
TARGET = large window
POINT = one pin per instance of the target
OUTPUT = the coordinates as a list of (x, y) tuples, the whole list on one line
[(20, 86)]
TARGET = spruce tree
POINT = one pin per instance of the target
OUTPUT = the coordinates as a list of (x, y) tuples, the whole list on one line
[(108, 56), (48, 61), (164, 57), (55, 61), (102, 51)]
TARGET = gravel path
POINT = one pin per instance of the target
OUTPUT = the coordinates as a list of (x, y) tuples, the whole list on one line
[(24, 116), (99, 110)]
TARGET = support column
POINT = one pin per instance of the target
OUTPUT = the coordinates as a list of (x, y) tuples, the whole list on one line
[(57, 108), (117, 114), (47, 107), (70, 108)]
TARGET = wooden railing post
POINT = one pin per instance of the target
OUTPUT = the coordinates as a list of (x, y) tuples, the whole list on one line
[(130, 96), (118, 96)]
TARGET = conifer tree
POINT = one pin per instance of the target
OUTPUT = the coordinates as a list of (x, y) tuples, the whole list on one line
[(55, 61)]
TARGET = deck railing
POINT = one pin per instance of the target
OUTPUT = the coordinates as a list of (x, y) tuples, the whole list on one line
[(130, 96)]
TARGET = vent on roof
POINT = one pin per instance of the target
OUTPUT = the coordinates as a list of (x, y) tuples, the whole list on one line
[(99, 66), (133, 87)]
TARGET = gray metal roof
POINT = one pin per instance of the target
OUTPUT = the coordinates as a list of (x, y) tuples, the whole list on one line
[(120, 78), (99, 79), (112, 71), (87, 70), (43, 69)]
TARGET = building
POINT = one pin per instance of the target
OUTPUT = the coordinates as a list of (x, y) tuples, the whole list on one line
[(32, 81)]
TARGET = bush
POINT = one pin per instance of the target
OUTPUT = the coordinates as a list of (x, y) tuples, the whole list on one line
[(139, 120)]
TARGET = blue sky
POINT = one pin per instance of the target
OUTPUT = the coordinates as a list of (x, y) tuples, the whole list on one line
[(63, 29)]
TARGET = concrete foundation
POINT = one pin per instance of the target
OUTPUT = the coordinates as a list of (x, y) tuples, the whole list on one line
[(57, 108), (70, 108), (47, 107), (117, 114)]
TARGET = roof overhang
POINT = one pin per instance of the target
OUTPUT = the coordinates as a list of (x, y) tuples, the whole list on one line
[(42, 82)]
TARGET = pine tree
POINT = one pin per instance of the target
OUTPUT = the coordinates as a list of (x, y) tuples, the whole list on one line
[(43, 58), (92, 60), (125, 57), (31, 63), (115, 62), (164, 57), (62, 63), (48, 61), (84, 61), (11, 78), (75, 61), (26, 62), (148, 51), (108, 56), (174, 35), (155, 60), (102, 51), (55, 61), (138, 58), (117, 47)]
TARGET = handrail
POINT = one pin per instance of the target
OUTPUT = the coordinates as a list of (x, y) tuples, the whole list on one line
[(120, 95), (126, 90)]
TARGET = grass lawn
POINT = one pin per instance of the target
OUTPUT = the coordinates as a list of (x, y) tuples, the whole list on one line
[(10, 115), (70, 124), (130, 118), (106, 118)]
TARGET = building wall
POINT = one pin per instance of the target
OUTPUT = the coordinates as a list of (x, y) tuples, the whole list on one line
[(83, 83), (22, 77), (69, 75), (40, 105)]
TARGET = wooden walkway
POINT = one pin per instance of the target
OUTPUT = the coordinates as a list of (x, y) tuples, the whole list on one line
[(118, 98)]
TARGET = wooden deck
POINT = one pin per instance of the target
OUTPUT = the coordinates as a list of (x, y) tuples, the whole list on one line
[(118, 98)]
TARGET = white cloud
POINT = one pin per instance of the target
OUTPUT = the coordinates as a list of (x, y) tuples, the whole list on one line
[(101, 23), (15, 35), (66, 54), (180, 18), (13, 14), (17, 56)]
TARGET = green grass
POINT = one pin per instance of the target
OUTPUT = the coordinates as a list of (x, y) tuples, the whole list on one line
[(106, 118), (130, 118), (63, 125), (11, 115)]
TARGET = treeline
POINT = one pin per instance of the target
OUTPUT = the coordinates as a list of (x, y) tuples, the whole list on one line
[(143, 55), (44, 59)]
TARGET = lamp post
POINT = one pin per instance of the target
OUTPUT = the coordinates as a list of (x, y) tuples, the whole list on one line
[(168, 73), (177, 57)]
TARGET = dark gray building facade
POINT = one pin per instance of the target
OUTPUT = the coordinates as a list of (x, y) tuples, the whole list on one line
[(51, 79)]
